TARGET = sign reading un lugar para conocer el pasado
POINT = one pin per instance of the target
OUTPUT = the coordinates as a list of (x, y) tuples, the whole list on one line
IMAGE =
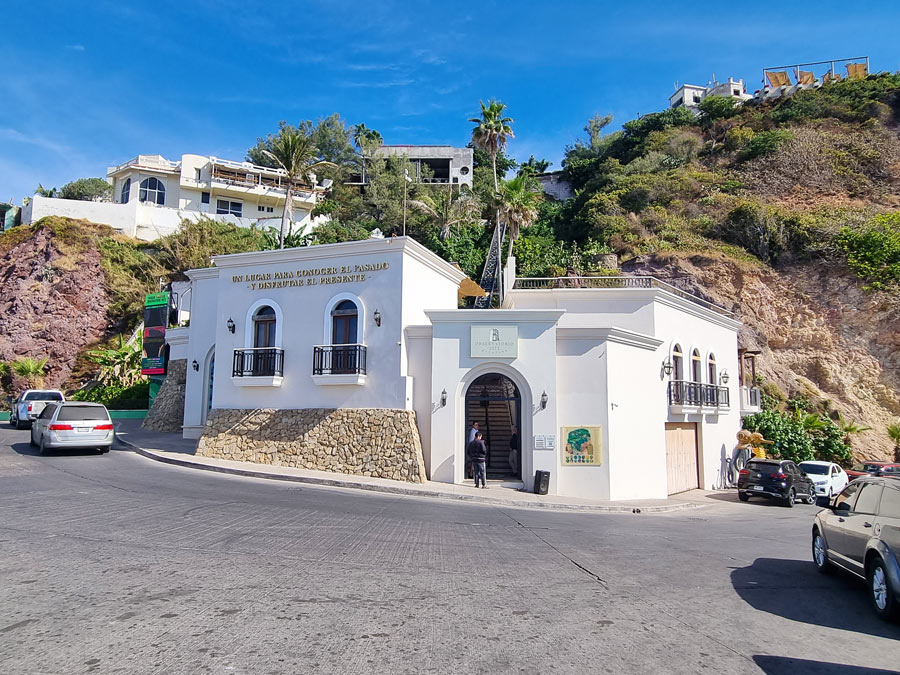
[(312, 276)]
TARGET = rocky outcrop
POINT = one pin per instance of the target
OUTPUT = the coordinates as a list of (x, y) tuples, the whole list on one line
[(167, 411), (365, 442), (54, 301), (821, 335)]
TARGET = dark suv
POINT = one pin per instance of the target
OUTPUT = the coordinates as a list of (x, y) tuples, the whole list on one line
[(860, 532), (776, 479)]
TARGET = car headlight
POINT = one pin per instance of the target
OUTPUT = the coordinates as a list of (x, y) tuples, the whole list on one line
[(821, 482)]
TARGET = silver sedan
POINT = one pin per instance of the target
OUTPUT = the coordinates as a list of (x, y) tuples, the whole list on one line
[(73, 424)]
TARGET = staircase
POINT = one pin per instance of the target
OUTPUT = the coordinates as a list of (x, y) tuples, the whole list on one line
[(490, 275), (496, 420)]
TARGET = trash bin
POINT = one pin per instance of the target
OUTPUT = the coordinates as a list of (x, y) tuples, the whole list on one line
[(541, 482)]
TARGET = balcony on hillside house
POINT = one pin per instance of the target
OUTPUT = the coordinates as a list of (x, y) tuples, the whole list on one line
[(258, 367), (245, 176), (751, 395), (339, 364)]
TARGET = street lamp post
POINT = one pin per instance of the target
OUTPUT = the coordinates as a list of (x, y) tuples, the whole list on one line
[(406, 181)]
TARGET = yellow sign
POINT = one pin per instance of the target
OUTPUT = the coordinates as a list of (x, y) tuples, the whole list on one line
[(581, 446), (311, 276)]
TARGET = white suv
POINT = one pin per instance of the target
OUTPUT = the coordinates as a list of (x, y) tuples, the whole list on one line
[(29, 405), (828, 477)]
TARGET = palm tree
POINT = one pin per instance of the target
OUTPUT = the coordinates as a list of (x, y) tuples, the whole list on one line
[(449, 209), (365, 137), (492, 131), (119, 365), (850, 428), (295, 152), (519, 200), (31, 370), (893, 432)]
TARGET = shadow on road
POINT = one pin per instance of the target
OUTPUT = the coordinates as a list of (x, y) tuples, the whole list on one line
[(26, 449), (782, 665), (793, 589)]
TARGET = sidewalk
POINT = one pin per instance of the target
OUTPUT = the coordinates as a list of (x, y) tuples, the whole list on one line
[(171, 448)]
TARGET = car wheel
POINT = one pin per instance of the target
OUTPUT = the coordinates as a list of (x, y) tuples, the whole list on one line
[(19, 425), (811, 495), (12, 421), (820, 553), (41, 449), (789, 500), (31, 439), (743, 496), (883, 599)]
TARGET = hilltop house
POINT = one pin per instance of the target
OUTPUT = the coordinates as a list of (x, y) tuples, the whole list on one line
[(690, 95), (435, 164), (151, 196)]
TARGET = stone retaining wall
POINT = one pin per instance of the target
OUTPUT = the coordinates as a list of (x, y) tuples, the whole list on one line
[(365, 442), (167, 411)]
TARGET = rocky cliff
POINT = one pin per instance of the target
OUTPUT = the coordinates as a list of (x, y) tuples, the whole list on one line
[(54, 301), (822, 337)]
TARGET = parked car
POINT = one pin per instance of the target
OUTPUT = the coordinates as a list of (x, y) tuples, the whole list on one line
[(29, 405), (776, 479), (865, 469), (74, 424), (828, 477), (860, 533), (888, 470)]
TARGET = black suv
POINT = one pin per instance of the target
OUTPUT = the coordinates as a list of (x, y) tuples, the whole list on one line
[(860, 532), (776, 479)]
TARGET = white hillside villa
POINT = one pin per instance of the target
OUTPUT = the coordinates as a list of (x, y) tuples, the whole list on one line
[(151, 196)]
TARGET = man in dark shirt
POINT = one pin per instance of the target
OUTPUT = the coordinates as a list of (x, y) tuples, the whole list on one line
[(477, 453)]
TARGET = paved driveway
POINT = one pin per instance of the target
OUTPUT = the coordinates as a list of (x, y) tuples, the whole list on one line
[(116, 563)]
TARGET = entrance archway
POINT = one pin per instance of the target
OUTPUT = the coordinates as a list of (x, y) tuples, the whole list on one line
[(493, 400)]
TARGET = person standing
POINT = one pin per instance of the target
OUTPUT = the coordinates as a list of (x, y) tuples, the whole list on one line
[(514, 451), (472, 431), (476, 451)]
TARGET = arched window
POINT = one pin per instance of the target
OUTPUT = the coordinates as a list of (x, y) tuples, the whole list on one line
[(153, 191), (126, 191), (264, 327), (696, 366), (678, 362), (344, 319), (711, 366)]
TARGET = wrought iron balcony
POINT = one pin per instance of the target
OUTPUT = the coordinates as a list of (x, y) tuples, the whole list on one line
[(339, 360), (687, 393), (258, 362)]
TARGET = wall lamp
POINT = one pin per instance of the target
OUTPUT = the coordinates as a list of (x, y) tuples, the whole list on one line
[(544, 399), (723, 378), (667, 367), (195, 365), (444, 398), (377, 318), (230, 325)]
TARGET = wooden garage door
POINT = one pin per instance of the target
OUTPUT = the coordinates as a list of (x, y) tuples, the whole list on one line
[(681, 456)]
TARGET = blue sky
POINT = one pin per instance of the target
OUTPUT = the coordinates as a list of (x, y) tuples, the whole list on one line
[(88, 85)]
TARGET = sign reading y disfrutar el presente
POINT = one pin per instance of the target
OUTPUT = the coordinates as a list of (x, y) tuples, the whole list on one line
[(156, 318)]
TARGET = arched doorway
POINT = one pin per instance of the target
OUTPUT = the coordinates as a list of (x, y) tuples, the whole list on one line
[(493, 400)]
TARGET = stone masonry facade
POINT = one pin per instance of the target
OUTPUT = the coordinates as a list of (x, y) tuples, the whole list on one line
[(377, 442), (167, 412)]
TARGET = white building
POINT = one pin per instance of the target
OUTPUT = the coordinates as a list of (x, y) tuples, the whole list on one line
[(690, 95), (648, 375), (434, 164), (152, 195)]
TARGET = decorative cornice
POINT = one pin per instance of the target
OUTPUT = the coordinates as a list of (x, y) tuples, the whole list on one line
[(419, 332), (178, 336), (612, 334), (494, 316), (203, 273), (663, 297)]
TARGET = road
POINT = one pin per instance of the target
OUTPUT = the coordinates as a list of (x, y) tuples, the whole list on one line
[(118, 564)]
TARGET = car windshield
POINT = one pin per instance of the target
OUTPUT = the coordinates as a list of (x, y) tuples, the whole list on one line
[(43, 396), (821, 469), (891, 469), (763, 467), (74, 413), (865, 466)]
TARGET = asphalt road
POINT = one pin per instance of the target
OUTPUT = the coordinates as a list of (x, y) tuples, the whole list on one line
[(118, 564)]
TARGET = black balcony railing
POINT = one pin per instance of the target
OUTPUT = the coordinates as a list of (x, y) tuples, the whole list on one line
[(339, 360), (684, 392), (260, 362)]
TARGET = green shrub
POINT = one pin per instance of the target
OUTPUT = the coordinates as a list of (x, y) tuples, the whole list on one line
[(828, 443), (737, 138), (873, 252), (791, 440), (766, 143), (717, 108), (116, 397)]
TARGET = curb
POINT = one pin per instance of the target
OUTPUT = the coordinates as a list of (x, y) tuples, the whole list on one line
[(410, 491)]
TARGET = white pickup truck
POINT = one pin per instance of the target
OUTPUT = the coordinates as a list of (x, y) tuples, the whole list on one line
[(29, 405)]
